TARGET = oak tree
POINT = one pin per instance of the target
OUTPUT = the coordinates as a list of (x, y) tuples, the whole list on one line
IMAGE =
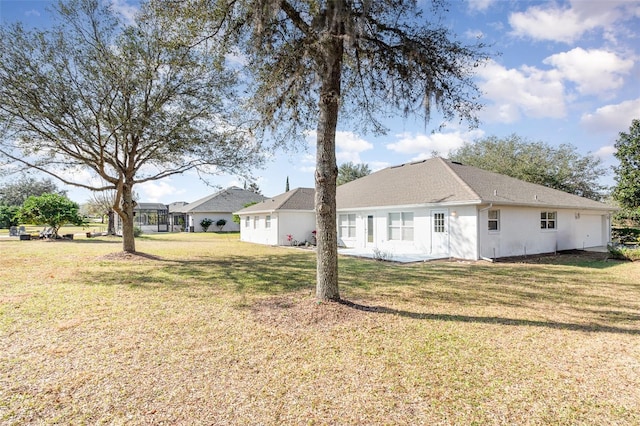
[(562, 167), (128, 103), (627, 173)]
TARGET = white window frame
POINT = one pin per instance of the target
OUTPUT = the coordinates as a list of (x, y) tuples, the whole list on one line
[(255, 222), (403, 222), (247, 221), (545, 220), (495, 220), (347, 225), (267, 221)]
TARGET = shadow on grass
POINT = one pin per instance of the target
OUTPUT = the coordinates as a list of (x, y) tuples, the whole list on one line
[(591, 294), (274, 274), (596, 328)]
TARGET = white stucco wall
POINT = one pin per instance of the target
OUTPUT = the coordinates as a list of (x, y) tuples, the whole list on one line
[(520, 232), (297, 224), (460, 239), (463, 232), (256, 231)]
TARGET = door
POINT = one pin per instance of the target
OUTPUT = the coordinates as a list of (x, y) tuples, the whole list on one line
[(370, 228), (439, 232)]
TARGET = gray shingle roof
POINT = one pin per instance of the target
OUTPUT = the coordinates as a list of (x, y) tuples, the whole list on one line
[(227, 200), (296, 199), (437, 180), (150, 206)]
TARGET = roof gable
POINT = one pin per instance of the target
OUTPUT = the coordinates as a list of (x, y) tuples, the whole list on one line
[(226, 200), (296, 199)]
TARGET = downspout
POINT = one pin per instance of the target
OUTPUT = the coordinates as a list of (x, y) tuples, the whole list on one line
[(488, 259)]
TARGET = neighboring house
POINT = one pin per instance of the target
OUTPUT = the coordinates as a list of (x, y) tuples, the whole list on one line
[(280, 220), (149, 217), (439, 209), (220, 205), (177, 219)]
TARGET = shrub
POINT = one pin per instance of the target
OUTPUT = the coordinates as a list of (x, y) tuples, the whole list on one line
[(137, 231), (205, 223), (626, 235), (623, 253), (220, 224)]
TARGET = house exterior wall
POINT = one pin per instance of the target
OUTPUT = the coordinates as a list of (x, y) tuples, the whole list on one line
[(463, 230), (459, 238), (255, 231), (298, 224), (194, 220), (520, 232)]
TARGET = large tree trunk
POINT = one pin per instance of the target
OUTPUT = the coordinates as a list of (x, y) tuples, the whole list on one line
[(126, 214), (327, 171)]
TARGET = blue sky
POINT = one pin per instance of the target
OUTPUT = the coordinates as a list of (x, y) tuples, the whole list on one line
[(568, 72)]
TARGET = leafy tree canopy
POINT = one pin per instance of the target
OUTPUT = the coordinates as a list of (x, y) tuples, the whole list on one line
[(15, 193), (129, 103), (561, 168), (8, 216), (350, 171), (53, 210), (627, 173)]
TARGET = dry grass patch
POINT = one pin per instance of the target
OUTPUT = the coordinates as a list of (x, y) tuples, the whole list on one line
[(204, 329)]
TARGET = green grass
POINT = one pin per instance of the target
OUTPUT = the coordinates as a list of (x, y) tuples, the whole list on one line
[(205, 329)]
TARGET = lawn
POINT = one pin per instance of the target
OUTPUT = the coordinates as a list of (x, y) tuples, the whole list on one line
[(204, 329)]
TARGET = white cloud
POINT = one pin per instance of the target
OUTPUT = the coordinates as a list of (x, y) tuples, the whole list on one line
[(425, 145), (550, 23), (528, 90), (605, 151), (596, 72), (612, 118), (155, 191), (348, 146), (568, 24), (480, 5), (32, 12)]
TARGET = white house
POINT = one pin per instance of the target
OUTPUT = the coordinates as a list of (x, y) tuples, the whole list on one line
[(280, 220), (438, 209), (221, 205)]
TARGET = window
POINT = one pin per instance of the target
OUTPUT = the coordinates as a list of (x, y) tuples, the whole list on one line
[(548, 220), (347, 226), (247, 220), (255, 221), (267, 221), (438, 222), (401, 226), (494, 220)]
